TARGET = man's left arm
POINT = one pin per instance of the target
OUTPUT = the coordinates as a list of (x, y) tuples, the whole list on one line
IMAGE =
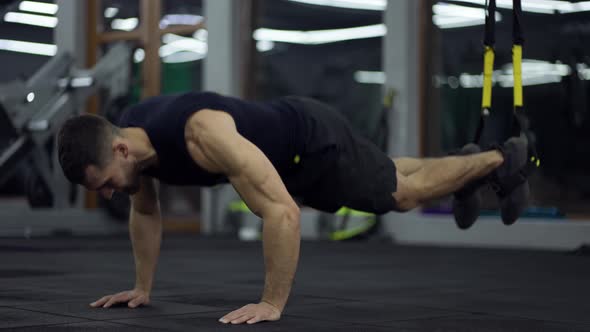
[(217, 146)]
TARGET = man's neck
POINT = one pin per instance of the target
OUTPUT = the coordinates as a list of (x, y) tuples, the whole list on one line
[(140, 147)]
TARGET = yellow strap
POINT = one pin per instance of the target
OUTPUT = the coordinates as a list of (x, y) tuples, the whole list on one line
[(488, 71), (517, 63)]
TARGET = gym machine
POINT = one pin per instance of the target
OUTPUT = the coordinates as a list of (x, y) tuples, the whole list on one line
[(32, 112)]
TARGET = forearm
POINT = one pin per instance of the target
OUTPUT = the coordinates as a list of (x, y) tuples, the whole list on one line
[(281, 240), (146, 236)]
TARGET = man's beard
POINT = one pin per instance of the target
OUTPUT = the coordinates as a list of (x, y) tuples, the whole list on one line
[(132, 189), (134, 185)]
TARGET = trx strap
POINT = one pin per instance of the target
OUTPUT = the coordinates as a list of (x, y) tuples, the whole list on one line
[(488, 67), (519, 123), (517, 42)]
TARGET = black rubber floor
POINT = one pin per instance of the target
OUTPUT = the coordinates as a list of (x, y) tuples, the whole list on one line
[(46, 285)]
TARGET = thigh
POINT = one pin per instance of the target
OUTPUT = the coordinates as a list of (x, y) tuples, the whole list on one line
[(354, 172), (368, 177), (408, 165)]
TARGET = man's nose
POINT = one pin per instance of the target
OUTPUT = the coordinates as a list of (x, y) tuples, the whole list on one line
[(107, 193)]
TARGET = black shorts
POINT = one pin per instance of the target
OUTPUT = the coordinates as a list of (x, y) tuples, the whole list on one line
[(338, 167)]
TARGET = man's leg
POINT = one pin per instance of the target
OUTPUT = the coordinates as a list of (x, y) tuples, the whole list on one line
[(438, 177), (408, 165)]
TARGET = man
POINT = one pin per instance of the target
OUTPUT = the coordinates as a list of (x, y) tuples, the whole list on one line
[(273, 154)]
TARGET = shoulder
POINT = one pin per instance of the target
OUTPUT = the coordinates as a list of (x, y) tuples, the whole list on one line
[(206, 131), (207, 122)]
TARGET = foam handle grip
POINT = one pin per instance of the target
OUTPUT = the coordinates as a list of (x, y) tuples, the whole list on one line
[(488, 71), (517, 64)]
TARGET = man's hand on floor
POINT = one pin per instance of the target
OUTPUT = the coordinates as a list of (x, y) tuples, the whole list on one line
[(252, 313), (133, 298)]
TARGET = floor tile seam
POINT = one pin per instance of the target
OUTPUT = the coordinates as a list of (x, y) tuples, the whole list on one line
[(376, 324), (492, 313), (15, 306), (564, 322), (488, 313), (133, 325), (334, 298), (43, 325), (160, 316), (462, 311), (399, 304), (368, 323), (85, 320), (316, 319), (109, 319), (229, 307), (49, 313)]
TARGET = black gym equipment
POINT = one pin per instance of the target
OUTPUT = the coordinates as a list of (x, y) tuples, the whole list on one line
[(519, 124), (32, 111)]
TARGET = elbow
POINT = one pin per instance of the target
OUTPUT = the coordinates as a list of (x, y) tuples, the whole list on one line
[(283, 216), (294, 213), (291, 216)]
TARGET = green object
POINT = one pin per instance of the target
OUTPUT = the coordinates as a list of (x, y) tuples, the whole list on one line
[(297, 159), (238, 206), (176, 78), (344, 211), (369, 222), (352, 232)]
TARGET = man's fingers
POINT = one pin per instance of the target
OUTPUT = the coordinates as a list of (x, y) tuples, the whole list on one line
[(137, 302), (100, 301), (250, 314), (110, 302), (232, 315), (121, 297), (243, 318), (254, 320)]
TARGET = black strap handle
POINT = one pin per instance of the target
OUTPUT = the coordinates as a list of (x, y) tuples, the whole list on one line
[(517, 35), (490, 29)]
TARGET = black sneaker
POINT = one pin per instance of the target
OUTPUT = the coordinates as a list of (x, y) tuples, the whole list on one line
[(511, 186), (468, 199)]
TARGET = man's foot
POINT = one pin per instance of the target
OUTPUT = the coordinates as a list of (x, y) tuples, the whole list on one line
[(512, 188), (467, 200)]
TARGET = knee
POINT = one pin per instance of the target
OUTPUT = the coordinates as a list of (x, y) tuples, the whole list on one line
[(404, 203), (406, 194)]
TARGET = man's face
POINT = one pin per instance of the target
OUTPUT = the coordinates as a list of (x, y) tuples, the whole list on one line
[(120, 174)]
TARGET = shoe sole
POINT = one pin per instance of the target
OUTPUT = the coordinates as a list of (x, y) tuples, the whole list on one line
[(466, 209), (513, 205)]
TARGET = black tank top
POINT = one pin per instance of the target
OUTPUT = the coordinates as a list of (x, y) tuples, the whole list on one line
[(276, 127)]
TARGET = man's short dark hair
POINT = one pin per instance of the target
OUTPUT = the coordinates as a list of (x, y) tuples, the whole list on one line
[(83, 141)]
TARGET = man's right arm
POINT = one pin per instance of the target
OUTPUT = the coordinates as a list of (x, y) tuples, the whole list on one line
[(145, 228)]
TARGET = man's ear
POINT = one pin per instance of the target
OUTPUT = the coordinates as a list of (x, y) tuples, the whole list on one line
[(119, 146)]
